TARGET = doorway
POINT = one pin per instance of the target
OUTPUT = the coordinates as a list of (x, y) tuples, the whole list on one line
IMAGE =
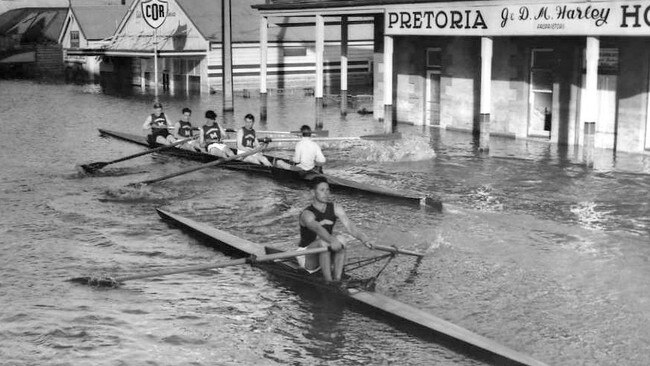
[(540, 102)]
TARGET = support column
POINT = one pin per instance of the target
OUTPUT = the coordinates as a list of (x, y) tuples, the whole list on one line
[(172, 72), (486, 94), (264, 36), (320, 50), (344, 65), (388, 85), (589, 111), (226, 56), (143, 70)]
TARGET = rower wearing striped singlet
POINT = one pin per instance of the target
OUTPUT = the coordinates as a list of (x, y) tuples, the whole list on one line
[(183, 129), (247, 141), (158, 127), (210, 137)]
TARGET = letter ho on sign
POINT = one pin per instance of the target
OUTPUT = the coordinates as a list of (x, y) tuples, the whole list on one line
[(154, 12)]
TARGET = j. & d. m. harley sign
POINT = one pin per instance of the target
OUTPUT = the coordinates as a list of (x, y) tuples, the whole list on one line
[(614, 18)]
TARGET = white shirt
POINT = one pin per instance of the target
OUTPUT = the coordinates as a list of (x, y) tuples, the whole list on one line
[(307, 154)]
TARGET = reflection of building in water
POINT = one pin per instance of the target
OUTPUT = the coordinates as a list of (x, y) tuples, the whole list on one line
[(539, 71)]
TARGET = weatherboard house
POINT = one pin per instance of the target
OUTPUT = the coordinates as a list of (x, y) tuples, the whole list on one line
[(189, 44), (570, 72)]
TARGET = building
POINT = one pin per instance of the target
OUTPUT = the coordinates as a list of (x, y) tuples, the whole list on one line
[(28, 42), (568, 72), (189, 45), (89, 28)]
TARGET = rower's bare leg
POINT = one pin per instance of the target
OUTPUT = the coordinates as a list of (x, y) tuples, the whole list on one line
[(217, 152), (338, 260)]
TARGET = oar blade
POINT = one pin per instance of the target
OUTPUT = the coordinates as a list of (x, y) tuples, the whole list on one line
[(92, 167), (95, 281)]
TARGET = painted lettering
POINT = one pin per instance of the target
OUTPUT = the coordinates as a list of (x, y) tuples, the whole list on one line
[(543, 14), (452, 19), (635, 14), (154, 11), (598, 15)]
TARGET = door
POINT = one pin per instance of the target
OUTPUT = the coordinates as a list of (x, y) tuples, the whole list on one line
[(432, 112), (432, 87), (541, 93)]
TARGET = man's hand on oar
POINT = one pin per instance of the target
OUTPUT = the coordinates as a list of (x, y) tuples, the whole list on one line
[(203, 166), (115, 281), (93, 167)]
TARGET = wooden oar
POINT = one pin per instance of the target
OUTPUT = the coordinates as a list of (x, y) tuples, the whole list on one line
[(112, 282), (397, 250), (93, 167), (379, 137), (321, 133), (203, 166)]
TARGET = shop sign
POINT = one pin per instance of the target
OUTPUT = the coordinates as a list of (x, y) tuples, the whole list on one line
[(612, 18)]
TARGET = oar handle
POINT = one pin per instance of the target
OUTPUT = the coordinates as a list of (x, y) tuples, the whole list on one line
[(206, 165)]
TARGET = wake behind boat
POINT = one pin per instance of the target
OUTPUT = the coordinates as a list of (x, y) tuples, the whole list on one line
[(359, 295), (277, 173)]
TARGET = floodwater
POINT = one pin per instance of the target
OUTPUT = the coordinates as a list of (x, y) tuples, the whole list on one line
[(533, 249)]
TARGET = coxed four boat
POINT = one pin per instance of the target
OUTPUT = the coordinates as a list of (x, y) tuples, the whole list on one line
[(274, 172)]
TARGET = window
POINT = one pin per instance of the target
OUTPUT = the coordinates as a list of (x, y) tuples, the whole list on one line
[(74, 39), (294, 51)]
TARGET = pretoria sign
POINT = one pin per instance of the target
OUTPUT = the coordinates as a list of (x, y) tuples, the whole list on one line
[(154, 12), (594, 18)]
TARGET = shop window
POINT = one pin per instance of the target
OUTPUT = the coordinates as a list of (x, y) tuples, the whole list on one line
[(434, 58), (74, 39)]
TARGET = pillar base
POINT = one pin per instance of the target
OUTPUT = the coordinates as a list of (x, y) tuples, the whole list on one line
[(589, 143), (344, 102), (318, 113), (263, 106), (484, 132), (389, 126)]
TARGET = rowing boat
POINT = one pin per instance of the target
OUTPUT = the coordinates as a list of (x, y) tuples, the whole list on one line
[(336, 183), (373, 302)]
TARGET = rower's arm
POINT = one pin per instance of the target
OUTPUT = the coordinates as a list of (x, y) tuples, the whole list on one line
[(350, 226), (147, 123), (320, 158)]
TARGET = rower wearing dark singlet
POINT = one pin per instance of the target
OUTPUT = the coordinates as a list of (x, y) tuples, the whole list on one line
[(210, 137), (183, 129), (316, 230), (247, 141), (157, 127)]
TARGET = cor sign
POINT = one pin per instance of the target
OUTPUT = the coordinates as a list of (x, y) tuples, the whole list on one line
[(154, 12)]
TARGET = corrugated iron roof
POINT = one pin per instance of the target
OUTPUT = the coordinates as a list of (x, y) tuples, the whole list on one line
[(324, 4), (33, 24), (99, 22)]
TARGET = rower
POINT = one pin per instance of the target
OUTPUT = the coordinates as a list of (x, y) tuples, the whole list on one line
[(210, 137), (247, 141), (183, 129), (308, 156), (157, 127), (316, 225)]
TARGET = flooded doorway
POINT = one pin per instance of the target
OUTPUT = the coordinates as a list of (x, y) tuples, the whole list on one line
[(432, 87), (540, 102)]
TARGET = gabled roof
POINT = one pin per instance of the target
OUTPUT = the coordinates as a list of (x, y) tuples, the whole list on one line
[(33, 24), (100, 21)]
